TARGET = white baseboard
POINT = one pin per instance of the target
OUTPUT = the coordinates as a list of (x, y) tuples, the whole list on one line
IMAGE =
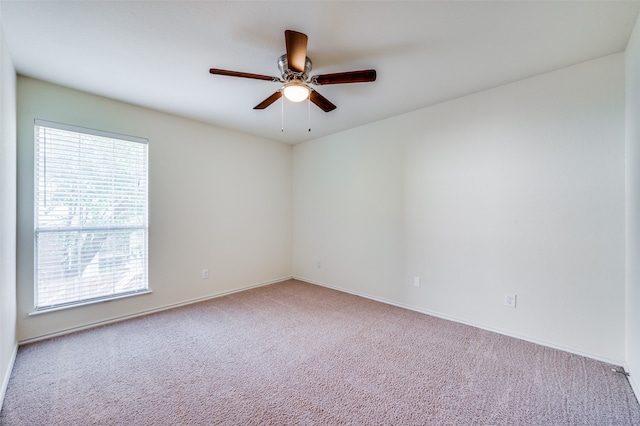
[(463, 321), (7, 374), (635, 385), (148, 312)]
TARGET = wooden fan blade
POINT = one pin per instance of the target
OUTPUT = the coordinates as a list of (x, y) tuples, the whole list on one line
[(242, 74), (322, 102), (271, 99), (296, 50), (362, 76)]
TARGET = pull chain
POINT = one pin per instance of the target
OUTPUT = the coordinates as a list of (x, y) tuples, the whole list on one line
[(309, 112)]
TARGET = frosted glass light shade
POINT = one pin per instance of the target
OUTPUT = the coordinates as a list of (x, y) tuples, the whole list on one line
[(296, 92)]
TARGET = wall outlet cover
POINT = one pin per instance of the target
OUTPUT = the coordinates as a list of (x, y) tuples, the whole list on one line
[(510, 299)]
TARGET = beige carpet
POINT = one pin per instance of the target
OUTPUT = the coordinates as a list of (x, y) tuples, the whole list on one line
[(297, 354)]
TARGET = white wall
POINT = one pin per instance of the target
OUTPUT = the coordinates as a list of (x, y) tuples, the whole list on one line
[(8, 342), (633, 207), (515, 189), (218, 199)]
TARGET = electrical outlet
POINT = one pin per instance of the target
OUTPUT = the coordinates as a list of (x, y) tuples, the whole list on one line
[(416, 281), (205, 274), (510, 299), (319, 264)]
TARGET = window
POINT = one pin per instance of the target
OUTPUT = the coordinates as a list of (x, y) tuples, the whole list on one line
[(90, 215)]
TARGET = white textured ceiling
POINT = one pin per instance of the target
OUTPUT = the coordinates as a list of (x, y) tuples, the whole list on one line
[(158, 53)]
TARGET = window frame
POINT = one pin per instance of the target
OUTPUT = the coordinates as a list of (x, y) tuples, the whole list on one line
[(110, 230)]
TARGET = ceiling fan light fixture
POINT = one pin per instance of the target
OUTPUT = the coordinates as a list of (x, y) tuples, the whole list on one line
[(296, 92)]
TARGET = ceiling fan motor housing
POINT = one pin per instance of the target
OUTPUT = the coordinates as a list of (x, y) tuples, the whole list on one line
[(288, 74)]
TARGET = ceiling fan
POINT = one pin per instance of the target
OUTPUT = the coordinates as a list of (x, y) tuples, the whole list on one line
[(295, 68)]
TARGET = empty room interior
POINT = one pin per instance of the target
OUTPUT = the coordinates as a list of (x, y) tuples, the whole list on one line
[(469, 165)]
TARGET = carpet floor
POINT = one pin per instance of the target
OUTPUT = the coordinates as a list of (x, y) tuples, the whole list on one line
[(293, 353)]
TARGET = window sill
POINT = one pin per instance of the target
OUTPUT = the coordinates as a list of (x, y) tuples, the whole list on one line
[(86, 302)]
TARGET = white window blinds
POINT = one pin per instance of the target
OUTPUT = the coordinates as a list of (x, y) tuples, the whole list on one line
[(90, 215)]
